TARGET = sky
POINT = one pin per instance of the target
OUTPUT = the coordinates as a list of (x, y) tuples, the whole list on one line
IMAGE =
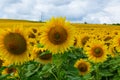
[(80, 11)]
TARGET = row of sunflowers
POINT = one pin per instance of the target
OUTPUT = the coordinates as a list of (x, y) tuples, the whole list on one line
[(59, 50)]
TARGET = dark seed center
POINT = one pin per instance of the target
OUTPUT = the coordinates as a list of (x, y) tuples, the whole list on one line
[(34, 30), (98, 52), (46, 56), (1, 62), (31, 35), (84, 40), (82, 67), (75, 42), (15, 43), (10, 70), (57, 35)]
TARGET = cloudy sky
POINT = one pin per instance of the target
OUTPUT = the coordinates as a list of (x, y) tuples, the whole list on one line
[(91, 11)]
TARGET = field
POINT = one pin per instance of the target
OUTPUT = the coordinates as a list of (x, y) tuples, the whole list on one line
[(58, 50)]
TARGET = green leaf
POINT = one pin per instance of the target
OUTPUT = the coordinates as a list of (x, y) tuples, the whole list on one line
[(31, 67), (46, 67), (105, 73), (116, 77), (2, 68), (3, 77), (40, 45)]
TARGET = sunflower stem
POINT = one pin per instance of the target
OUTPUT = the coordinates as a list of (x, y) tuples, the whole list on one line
[(36, 70), (97, 72), (54, 75)]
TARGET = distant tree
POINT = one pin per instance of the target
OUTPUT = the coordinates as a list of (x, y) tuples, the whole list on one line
[(105, 23), (116, 24), (85, 22)]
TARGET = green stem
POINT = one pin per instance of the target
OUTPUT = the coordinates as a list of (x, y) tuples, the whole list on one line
[(106, 78), (54, 75), (36, 70), (97, 72)]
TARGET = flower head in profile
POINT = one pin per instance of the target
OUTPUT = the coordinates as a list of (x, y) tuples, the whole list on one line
[(41, 55)]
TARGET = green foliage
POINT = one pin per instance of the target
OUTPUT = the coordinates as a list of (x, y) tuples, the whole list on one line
[(62, 68)]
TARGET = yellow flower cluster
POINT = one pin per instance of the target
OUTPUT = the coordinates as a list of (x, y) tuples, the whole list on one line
[(19, 41), (22, 41)]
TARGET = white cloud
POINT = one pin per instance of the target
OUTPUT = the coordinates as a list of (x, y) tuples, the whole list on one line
[(99, 17), (113, 10), (108, 14), (92, 11)]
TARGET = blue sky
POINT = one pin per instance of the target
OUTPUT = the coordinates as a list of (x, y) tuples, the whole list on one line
[(91, 11)]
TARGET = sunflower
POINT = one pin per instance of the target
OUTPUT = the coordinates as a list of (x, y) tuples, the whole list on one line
[(112, 47), (42, 55), (1, 63), (9, 70), (96, 51), (83, 38), (112, 51), (76, 44), (83, 66), (57, 35), (14, 45), (116, 42), (34, 35), (34, 32), (108, 37)]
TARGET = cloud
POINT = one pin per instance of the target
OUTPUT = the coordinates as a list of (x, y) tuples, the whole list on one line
[(18, 10), (54, 2), (113, 10), (99, 17), (108, 14), (95, 11)]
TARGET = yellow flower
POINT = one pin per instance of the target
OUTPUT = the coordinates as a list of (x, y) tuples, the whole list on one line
[(57, 35), (1, 63), (41, 55), (112, 51), (9, 70), (13, 71), (83, 38), (76, 44), (83, 66), (34, 35), (116, 42), (96, 51), (14, 45)]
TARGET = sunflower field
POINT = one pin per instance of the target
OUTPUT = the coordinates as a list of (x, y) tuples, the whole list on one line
[(58, 50)]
